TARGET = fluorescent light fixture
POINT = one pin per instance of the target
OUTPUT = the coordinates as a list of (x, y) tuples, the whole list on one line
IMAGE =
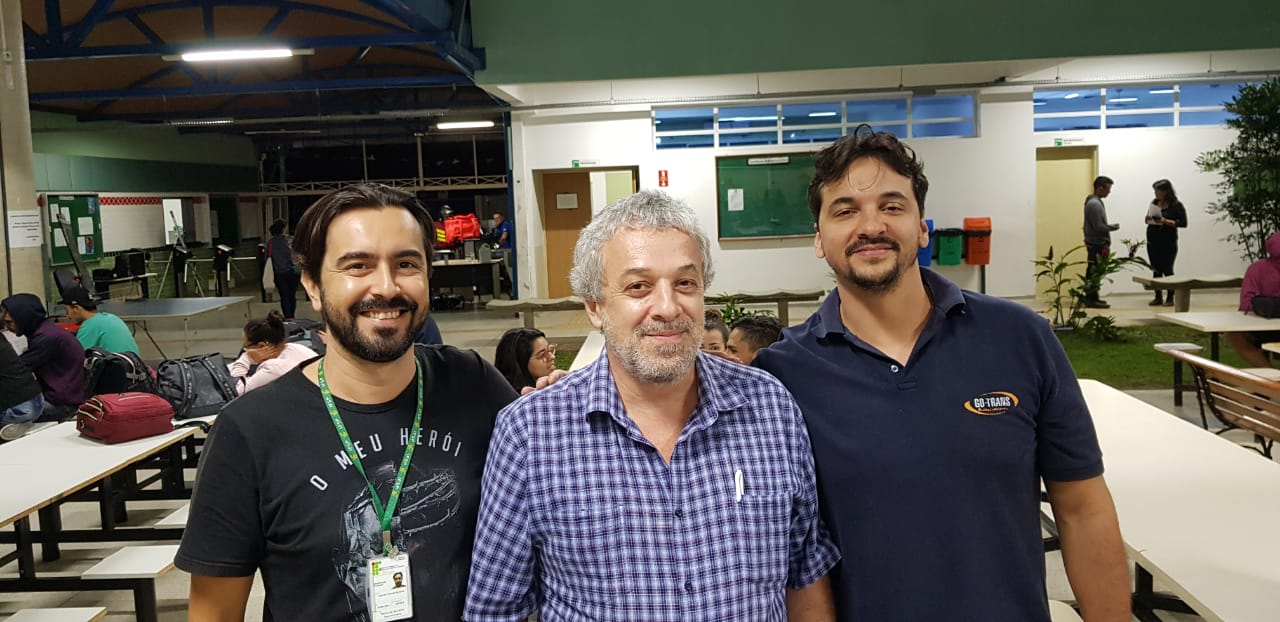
[(463, 125), (1038, 103), (207, 56), (1161, 91), (199, 122), (1122, 100), (823, 114), (657, 121), (1071, 96), (739, 119)]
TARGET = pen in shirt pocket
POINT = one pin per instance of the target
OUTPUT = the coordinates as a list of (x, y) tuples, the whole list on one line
[(738, 485)]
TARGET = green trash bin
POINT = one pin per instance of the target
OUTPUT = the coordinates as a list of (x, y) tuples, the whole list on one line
[(950, 244)]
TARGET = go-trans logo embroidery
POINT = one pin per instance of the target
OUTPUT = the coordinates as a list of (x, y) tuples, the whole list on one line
[(993, 403)]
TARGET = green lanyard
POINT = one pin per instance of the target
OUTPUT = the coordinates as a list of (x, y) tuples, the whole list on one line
[(384, 513)]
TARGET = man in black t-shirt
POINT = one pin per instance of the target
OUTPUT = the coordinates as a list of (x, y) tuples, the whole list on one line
[(279, 490)]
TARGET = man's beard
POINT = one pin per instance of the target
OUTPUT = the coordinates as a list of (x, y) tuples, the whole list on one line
[(867, 282), (660, 364), (384, 345)]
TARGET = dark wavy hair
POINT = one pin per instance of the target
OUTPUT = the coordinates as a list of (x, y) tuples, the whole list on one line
[(1166, 187), (515, 348), (761, 331), (269, 329), (833, 162), (310, 236)]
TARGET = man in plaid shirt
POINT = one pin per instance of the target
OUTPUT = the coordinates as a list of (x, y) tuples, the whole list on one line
[(657, 483)]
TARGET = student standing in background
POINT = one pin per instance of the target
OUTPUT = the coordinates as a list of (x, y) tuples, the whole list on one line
[(281, 258), (1165, 216)]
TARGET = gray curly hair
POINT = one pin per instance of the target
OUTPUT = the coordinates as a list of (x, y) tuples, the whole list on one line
[(644, 210)]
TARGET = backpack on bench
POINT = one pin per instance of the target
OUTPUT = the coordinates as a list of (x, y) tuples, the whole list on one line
[(197, 386), (115, 372)]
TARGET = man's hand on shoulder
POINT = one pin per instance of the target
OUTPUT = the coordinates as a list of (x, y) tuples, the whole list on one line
[(545, 381)]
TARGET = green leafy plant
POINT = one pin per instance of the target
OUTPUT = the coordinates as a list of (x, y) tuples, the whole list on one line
[(1103, 328), (1249, 193), (1066, 288), (732, 310)]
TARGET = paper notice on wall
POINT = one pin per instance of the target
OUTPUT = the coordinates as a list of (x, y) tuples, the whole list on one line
[(64, 214), (735, 199), (566, 201), (24, 229), (84, 243), (58, 240), (84, 225)]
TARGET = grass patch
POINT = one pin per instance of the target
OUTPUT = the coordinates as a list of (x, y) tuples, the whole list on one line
[(1133, 363), (565, 356)]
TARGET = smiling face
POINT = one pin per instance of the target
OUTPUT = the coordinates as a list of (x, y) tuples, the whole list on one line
[(870, 227), (372, 291), (651, 305)]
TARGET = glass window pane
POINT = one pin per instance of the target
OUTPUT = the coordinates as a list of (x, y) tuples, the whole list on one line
[(811, 114), (1204, 117), (742, 117), (1138, 98), (1154, 119), (1206, 94), (1079, 100), (749, 138), (1057, 124), (897, 129), (683, 119), (866, 111), (824, 135), (943, 107), (686, 141), (949, 128)]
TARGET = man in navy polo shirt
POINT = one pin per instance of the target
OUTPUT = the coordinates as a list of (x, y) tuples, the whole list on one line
[(934, 414)]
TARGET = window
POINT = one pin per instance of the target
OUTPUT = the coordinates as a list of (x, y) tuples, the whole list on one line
[(1132, 106), (1058, 124), (873, 111), (744, 139), (1140, 98), (825, 113), (825, 135), (1204, 117), (744, 117), (1153, 119), (1210, 95), (1080, 100), (684, 119)]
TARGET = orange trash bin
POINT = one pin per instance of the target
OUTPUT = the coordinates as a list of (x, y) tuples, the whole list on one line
[(977, 239)]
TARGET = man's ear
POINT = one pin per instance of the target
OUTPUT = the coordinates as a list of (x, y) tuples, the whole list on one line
[(593, 312), (313, 291)]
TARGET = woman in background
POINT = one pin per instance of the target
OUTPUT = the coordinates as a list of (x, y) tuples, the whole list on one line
[(523, 356), (265, 346), (715, 334), (1165, 216)]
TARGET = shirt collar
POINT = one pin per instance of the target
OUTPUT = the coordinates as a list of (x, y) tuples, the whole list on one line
[(948, 300), (717, 390)]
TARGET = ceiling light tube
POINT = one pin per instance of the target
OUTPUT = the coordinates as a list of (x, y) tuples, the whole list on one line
[(463, 125), (1121, 100), (823, 114), (232, 55)]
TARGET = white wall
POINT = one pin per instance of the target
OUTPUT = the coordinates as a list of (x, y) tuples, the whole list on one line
[(990, 175)]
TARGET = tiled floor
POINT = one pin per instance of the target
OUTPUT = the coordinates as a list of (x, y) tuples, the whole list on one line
[(471, 329)]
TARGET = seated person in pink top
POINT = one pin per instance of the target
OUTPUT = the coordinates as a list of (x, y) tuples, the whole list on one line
[(264, 345), (1261, 278)]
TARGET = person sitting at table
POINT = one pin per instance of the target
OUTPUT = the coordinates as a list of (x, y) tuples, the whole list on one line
[(97, 328), (523, 356), (714, 333), (1261, 278), (20, 399), (52, 353), (265, 346), (751, 334)]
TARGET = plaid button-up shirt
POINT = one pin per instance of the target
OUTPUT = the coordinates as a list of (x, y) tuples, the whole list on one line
[(583, 519)]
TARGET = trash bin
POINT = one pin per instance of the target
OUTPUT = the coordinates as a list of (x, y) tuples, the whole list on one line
[(977, 234), (950, 246), (925, 255)]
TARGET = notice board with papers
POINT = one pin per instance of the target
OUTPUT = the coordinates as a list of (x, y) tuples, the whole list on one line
[(764, 196)]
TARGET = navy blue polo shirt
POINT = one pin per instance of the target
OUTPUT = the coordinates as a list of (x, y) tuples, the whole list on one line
[(929, 472)]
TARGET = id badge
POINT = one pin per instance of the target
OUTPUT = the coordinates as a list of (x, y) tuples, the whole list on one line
[(390, 590)]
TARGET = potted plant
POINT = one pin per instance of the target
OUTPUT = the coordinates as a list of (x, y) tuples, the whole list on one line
[(1066, 287)]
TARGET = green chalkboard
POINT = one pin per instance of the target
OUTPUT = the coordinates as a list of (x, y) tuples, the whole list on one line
[(81, 211), (764, 196)]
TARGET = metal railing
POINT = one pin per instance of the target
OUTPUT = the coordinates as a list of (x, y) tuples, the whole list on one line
[(468, 182)]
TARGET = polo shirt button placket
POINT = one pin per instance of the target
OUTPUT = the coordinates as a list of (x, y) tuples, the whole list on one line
[(894, 368)]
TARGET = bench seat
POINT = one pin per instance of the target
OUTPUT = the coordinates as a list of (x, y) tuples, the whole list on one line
[(528, 306), (176, 519), (1238, 398), (134, 562), (1182, 286), (60, 614)]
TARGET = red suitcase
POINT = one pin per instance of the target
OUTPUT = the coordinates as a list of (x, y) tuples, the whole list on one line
[(118, 417)]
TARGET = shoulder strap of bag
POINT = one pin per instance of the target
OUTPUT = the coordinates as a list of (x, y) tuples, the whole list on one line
[(228, 391)]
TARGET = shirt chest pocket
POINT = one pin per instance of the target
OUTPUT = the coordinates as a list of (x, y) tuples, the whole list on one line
[(763, 526), (581, 545)]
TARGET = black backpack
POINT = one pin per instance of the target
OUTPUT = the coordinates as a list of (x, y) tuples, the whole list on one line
[(196, 386), (305, 332), (1266, 306), (115, 372)]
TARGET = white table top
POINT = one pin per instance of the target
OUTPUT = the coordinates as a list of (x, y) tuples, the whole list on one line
[(1196, 510), (45, 466), (1219, 321)]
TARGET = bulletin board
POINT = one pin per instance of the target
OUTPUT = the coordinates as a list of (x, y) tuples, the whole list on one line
[(764, 196), (83, 214)]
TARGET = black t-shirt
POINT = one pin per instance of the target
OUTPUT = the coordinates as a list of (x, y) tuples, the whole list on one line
[(276, 492), (17, 383)]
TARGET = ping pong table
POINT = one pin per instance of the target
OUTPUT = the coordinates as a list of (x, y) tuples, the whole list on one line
[(139, 311)]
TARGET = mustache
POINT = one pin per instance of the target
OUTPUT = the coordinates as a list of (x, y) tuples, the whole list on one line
[(664, 327), (399, 303), (865, 242)]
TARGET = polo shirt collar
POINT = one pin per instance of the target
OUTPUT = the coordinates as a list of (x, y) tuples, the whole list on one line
[(948, 300), (717, 392)]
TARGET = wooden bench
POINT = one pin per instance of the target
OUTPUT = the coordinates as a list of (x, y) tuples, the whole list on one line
[(1182, 286), (1178, 384), (139, 566), (61, 614), (782, 297), (528, 306), (1238, 398)]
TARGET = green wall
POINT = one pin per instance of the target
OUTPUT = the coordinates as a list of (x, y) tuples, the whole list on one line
[(556, 40), (63, 135), (87, 174)]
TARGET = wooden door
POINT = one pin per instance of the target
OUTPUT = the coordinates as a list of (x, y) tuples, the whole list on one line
[(1064, 177), (561, 225)]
